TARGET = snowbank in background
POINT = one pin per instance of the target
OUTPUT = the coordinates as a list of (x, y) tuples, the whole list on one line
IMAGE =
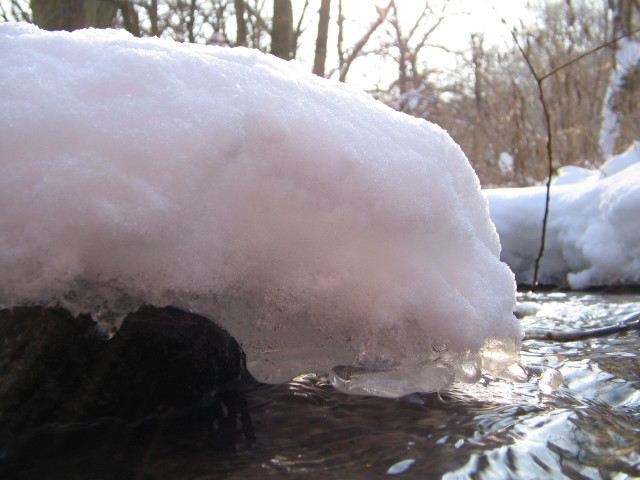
[(593, 233), (318, 226)]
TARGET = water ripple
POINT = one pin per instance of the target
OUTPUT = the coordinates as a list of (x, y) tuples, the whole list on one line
[(577, 417)]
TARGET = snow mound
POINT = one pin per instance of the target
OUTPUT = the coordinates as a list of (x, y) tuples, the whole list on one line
[(619, 162), (593, 227), (572, 174), (321, 228)]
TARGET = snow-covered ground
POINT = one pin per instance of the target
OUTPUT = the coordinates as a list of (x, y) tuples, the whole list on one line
[(593, 233), (318, 226)]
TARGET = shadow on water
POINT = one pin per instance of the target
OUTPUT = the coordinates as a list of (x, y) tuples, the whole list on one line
[(577, 417)]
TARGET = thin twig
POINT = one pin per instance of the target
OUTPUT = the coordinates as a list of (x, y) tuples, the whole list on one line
[(547, 118), (578, 335), (593, 50), (298, 31)]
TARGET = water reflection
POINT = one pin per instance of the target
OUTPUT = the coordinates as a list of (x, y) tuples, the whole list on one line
[(577, 416)]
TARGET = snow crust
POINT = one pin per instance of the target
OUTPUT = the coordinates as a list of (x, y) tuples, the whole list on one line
[(593, 233), (321, 228)]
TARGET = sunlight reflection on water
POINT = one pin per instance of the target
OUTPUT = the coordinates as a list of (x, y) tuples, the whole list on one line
[(577, 416)]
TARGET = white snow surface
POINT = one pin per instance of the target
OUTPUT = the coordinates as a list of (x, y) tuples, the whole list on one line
[(506, 163), (593, 232), (316, 225)]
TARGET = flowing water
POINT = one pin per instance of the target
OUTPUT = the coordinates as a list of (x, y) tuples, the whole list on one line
[(578, 416)]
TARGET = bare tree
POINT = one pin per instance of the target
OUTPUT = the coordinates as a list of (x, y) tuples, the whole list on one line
[(282, 30), (621, 112), (346, 58), (18, 11), (191, 20), (321, 41), (73, 14), (153, 18), (404, 46), (130, 18), (241, 23), (493, 107), (297, 32)]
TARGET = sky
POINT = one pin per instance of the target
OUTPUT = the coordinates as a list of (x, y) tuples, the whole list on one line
[(463, 18)]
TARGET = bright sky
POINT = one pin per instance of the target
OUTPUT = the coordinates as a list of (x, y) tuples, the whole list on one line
[(463, 18)]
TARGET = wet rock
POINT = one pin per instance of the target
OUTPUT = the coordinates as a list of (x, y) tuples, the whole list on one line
[(56, 368)]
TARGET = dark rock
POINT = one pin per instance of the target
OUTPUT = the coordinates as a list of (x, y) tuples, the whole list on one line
[(163, 357), (56, 368), (46, 357)]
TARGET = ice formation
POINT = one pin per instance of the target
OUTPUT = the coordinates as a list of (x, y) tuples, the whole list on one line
[(318, 226), (593, 230)]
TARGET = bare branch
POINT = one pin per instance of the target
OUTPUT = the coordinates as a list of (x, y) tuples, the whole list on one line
[(340, 34), (357, 48), (593, 50), (298, 30), (547, 118), (5, 18), (258, 18), (321, 39), (20, 13), (428, 34), (418, 22)]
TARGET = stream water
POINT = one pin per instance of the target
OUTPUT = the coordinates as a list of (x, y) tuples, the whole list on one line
[(578, 416)]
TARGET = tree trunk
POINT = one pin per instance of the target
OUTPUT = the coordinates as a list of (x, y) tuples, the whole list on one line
[(241, 23), (130, 19), (282, 30), (321, 42), (153, 18), (620, 111), (623, 16), (73, 14), (191, 22)]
